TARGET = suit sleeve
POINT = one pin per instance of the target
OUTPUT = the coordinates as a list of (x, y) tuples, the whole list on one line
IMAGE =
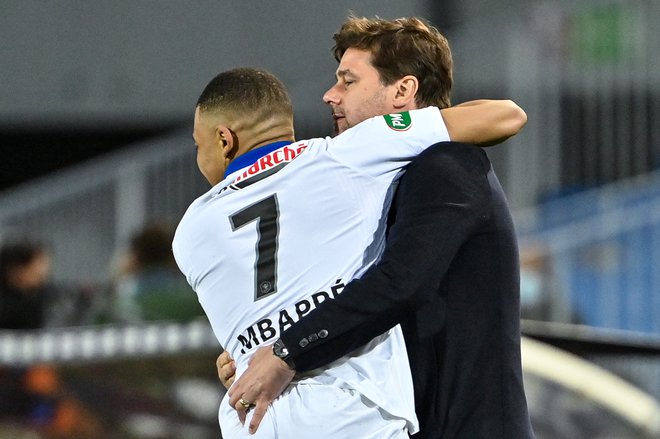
[(440, 201)]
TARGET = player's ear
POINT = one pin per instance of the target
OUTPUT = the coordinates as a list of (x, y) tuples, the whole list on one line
[(227, 140), (405, 91)]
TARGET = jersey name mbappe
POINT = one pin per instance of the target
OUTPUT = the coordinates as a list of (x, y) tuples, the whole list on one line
[(269, 328)]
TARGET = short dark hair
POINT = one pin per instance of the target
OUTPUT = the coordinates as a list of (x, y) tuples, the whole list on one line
[(400, 47), (246, 91)]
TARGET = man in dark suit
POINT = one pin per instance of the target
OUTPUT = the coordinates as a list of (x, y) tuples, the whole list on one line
[(449, 276)]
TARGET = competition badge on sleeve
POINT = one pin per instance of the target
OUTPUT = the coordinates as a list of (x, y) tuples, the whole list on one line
[(398, 121)]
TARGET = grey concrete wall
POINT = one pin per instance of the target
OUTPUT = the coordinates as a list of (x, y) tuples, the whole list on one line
[(86, 62)]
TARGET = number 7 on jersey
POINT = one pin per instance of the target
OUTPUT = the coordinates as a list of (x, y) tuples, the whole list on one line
[(266, 213)]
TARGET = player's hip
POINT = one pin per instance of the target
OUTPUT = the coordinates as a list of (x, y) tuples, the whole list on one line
[(318, 412)]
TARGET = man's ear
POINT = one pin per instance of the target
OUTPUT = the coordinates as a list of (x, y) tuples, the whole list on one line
[(227, 140), (405, 91)]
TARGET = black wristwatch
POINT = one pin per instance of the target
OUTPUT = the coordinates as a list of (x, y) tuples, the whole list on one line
[(280, 351)]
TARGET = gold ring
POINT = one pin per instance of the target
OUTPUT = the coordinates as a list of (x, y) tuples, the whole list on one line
[(244, 403)]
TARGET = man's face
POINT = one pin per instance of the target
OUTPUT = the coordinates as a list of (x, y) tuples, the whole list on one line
[(358, 93), (32, 275), (210, 158)]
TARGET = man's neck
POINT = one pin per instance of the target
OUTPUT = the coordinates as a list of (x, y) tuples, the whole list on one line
[(249, 157)]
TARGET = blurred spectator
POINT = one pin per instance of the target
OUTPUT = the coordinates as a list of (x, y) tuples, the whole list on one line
[(534, 298), (28, 297), (36, 399), (29, 301), (24, 288), (540, 297), (149, 285)]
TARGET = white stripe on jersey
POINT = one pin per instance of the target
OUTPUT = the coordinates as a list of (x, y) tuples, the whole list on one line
[(272, 240)]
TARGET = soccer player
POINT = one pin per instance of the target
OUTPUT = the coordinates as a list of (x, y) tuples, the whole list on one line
[(286, 225), (449, 274)]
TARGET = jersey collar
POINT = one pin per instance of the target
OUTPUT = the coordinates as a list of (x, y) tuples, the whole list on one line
[(252, 156)]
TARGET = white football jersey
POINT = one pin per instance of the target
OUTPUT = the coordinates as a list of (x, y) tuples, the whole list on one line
[(271, 241)]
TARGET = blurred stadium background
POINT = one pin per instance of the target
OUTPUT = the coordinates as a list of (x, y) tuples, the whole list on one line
[(115, 83)]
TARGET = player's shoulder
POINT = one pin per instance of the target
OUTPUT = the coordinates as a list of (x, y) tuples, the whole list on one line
[(401, 121), (312, 146)]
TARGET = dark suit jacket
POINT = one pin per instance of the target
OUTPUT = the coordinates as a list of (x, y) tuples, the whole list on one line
[(450, 276)]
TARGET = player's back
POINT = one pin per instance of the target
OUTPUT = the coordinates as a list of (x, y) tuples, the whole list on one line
[(267, 244), (268, 252), (294, 222), (275, 238)]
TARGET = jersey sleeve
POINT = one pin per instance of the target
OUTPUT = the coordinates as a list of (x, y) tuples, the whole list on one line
[(387, 143)]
